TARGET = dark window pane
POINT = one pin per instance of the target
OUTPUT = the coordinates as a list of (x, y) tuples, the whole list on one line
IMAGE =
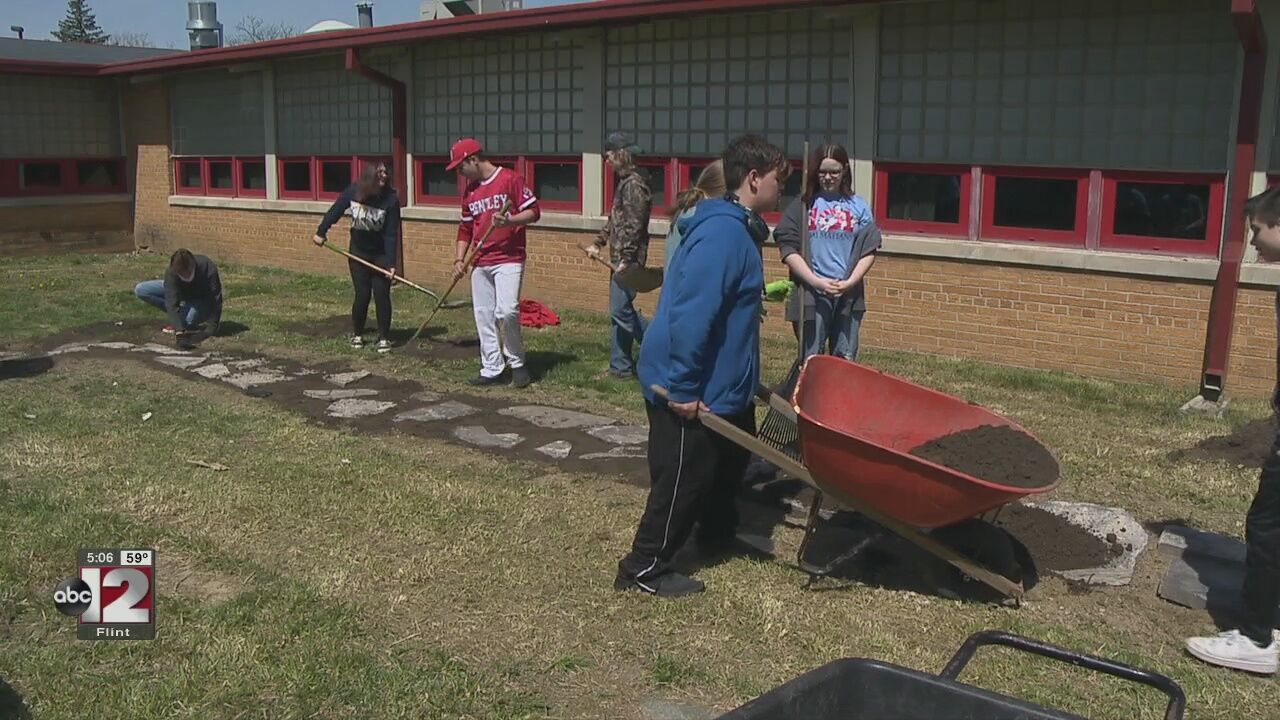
[(556, 182), (253, 175), (696, 170), (1162, 210), (297, 176), (792, 190), (924, 197), (220, 175), (98, 174), (656, 175), (1039, 203), (438, 181), (42, 175), (335, 176), (189, 175)]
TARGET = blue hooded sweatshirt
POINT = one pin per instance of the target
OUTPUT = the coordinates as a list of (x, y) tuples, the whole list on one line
[(703, 342)]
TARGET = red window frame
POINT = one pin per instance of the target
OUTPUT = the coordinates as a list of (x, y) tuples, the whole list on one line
[(684, 170), (671, 165), (68, 177), (420, 196), (529, 170), (1210, 246), (310, 192), (1076, 237), (241, 190), (178, 187), (880, 202), (207, 175), (317, 175)]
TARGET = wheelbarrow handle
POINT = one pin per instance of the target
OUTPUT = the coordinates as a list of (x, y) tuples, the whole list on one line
[(1177, 699)]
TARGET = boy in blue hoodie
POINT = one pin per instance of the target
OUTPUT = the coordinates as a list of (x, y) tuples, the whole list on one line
[(702, 347)]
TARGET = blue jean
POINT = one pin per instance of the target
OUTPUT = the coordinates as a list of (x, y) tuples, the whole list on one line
[(833, 328), (192, 313), (626, 328)]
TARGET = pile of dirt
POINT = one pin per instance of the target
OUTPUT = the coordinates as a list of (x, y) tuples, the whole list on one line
[(996, 454), (1248, 444), (1054, 543)]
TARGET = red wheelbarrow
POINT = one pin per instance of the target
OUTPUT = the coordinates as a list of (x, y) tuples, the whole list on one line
[(856, 428)]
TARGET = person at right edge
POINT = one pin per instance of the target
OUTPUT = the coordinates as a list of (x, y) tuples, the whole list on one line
[(627, 235), (1252, 646), (843, 240), (702, 348)]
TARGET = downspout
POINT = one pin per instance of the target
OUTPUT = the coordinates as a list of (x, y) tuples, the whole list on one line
[(399, 124), (1222, 307)]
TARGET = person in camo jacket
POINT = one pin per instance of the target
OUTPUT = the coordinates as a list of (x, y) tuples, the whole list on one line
[(626, 233)]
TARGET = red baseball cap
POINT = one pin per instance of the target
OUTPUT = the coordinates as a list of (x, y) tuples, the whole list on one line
[(461, 150)]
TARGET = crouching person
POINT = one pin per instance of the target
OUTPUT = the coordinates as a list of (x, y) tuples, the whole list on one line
[(702, 348), (190, 294)]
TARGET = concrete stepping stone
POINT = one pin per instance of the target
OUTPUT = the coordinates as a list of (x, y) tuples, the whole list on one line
[(247, 364), (248, 380), (159, 349), (1206, 572), (213, 371), (559, 449), (356, 407), (114, 345), (621, 434), (346, 378), (660, 709), (448, 410), (478, 436), (622, 451), (1115, 526), (341, 394), (426, 396), (305, 372), (181, 361), (1177, 541), (555, 418), (70, 348)]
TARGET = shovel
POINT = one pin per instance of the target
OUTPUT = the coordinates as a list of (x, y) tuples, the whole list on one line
[(636, 278)]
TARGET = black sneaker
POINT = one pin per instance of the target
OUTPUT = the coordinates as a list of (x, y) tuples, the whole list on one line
[(667, 585), (621, 374), (519, 377), (482, 381)]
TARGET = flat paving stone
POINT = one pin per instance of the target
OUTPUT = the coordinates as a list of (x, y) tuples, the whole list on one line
[(1177, 541), (254, 379), (659, 709), (346, 378), (1102, 521), (555, 418), (340, 394), (181, 361), (114, 345), (356, 407), (305, 372), (247, 364), (213, 371), (559, 449), (426, 396), (622, 451), (159, 349), (621, 434), (448, 410), (478, 436), (70, 348)]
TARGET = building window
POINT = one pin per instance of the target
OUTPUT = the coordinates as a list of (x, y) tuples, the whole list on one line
[(557, 183), (253, 178), (1035, 205), (434, 183), (40, 176), (923, 199), (220, 176), (688, 170), (296, 180), (100, 175), (1162, 212), (62, 176), (335, 175), (190, 176), (658, 173)]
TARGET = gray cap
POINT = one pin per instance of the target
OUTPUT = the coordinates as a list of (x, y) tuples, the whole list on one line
[(622, 141)]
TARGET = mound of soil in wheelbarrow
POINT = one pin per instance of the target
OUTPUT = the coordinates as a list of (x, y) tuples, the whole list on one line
[(993, 453)]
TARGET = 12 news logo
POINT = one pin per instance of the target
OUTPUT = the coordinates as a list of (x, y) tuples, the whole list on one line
[(114, 596)]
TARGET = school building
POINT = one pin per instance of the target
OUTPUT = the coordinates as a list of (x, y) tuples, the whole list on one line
[(1059, 183)]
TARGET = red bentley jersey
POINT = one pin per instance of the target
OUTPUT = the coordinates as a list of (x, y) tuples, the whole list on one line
[(481, 201)]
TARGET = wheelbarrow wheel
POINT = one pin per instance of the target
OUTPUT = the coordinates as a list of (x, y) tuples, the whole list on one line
[(987, 545)]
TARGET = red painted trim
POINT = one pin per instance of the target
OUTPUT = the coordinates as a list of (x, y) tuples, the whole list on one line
[(530, 171), (41, 67), (178, 187), (310, 192), (318, 174), (241, 190), (209, 189), (8, 178), (420, 197), (880, 201), (541, 18), (988, 228), (1252, 35), (399, 124), (1109, 238)]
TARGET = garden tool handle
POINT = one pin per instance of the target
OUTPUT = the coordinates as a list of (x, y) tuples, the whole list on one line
[(1177, 699)]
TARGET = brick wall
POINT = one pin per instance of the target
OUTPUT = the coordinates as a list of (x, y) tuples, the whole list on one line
[(52, 229)]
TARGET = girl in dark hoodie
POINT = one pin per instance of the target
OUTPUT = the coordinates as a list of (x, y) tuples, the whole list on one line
[(375, 231)]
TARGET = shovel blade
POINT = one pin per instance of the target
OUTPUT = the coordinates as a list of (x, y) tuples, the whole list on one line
[(640, 279)]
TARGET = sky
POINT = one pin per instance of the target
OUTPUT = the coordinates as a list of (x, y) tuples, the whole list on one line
[(164, 21)]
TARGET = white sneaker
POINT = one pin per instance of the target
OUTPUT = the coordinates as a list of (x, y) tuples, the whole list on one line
[(384, 346), (1236, 651), (357, 341)]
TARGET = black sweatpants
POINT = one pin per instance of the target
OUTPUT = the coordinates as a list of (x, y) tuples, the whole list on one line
[(1262, 557), (366, 283), (693, 479)]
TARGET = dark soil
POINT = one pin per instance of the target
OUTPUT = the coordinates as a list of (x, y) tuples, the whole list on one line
[(1054, 543), (996, 454), (1248, 444), (428, 344)]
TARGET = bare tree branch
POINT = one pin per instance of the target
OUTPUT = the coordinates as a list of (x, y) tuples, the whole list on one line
[(252, 29)]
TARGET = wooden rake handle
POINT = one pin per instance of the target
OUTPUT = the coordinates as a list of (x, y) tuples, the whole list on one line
[(381, 271), (466, 265), (597, 258)]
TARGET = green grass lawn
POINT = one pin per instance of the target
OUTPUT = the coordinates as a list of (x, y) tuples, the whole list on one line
[(333, 575)]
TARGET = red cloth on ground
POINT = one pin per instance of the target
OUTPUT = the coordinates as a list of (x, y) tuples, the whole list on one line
[(535, 314)]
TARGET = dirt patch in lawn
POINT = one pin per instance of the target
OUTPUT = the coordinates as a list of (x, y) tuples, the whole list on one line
[(184, 577), (1247, 444), (430, 344), (996, 454)]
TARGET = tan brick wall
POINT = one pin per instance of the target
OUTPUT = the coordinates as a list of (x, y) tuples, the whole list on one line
[(52, 229)]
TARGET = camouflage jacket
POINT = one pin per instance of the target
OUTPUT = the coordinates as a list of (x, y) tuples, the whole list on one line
[(626, 232)]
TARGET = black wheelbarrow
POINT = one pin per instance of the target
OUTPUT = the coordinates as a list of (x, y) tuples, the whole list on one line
[(858, 689)]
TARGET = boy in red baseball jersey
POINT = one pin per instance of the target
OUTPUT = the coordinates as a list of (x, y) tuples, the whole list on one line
[(499, 263)]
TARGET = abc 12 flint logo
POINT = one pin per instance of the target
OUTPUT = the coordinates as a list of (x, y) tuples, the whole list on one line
[(113, 597)]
